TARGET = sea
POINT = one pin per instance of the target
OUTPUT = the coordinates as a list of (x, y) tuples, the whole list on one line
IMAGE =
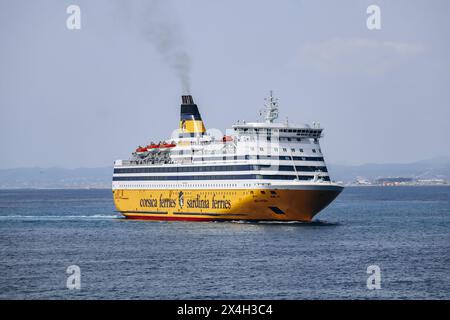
[(370, 243)]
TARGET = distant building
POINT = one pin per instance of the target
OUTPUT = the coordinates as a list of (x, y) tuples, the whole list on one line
[(362, 181), (431, 181), (394, 181)]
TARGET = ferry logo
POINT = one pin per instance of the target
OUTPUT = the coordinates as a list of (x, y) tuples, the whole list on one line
[(181, 199)]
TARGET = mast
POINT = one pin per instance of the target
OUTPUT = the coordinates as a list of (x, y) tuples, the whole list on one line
[(270, 110)]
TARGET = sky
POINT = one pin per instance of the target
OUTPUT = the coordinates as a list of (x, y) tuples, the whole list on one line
[(83, 98)]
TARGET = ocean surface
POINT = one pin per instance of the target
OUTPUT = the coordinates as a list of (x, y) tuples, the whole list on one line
[(403, 230)]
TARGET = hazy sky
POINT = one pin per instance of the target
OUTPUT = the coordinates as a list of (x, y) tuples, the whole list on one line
[(84, 98)]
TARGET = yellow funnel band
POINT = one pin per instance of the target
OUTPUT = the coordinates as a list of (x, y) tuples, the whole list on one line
[(192, 126)]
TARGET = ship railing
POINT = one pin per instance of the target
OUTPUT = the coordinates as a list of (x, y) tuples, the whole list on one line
[(139, 162)]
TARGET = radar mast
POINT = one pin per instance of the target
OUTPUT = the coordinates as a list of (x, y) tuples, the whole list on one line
[(270, 110)]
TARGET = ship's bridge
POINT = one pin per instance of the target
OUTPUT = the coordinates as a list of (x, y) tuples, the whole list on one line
[(271, 128), (278, 129)]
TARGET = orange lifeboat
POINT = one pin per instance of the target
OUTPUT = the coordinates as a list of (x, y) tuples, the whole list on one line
[(142, 152), (166, 146), (153, 147), (162, 146), (227, 138), (141, 149)]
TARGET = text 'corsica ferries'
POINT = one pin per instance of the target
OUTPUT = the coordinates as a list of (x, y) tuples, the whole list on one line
[(259, 171)]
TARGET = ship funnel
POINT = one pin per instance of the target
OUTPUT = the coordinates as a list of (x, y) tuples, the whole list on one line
[(187, 99), (191, 123)]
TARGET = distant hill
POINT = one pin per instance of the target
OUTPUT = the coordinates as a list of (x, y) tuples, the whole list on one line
[(436, 168), (56, 178), (101, 177)]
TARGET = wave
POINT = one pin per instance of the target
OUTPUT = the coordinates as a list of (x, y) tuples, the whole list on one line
[(292, 223)]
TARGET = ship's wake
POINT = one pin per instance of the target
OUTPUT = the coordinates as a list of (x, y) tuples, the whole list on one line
[(60, 217)]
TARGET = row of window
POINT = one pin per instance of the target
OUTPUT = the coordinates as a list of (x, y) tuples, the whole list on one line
[(269, 130), (190, 152), (222, 177), (257, 157), (284, 149), (275, 138), (220, 168)]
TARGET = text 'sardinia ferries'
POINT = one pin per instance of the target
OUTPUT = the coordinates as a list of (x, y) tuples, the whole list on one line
[(259, 171)]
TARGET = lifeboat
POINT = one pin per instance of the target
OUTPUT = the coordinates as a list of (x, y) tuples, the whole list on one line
[(166, 146), (152, 148), (142, 152), (227, 139), (169, 145), (163, 146)]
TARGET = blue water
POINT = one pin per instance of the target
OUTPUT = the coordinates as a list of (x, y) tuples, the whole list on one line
[(403, 230)]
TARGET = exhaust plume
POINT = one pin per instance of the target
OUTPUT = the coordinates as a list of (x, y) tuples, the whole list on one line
[(155, 21)]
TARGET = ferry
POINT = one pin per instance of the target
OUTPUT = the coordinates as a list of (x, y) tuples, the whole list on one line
[(257, 171)]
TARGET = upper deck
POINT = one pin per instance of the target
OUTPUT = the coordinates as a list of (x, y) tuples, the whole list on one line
[(264, 142)]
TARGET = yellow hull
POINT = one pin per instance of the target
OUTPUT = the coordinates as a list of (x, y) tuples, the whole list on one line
[(225, 204)]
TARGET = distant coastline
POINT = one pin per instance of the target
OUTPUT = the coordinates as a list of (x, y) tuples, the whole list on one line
[(56, 178), (434, 171), (109, 188)]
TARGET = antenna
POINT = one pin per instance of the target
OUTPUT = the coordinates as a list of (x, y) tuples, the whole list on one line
[(270, 111)]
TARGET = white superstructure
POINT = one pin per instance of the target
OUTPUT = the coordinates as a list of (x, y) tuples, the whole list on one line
[(251, 154)]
